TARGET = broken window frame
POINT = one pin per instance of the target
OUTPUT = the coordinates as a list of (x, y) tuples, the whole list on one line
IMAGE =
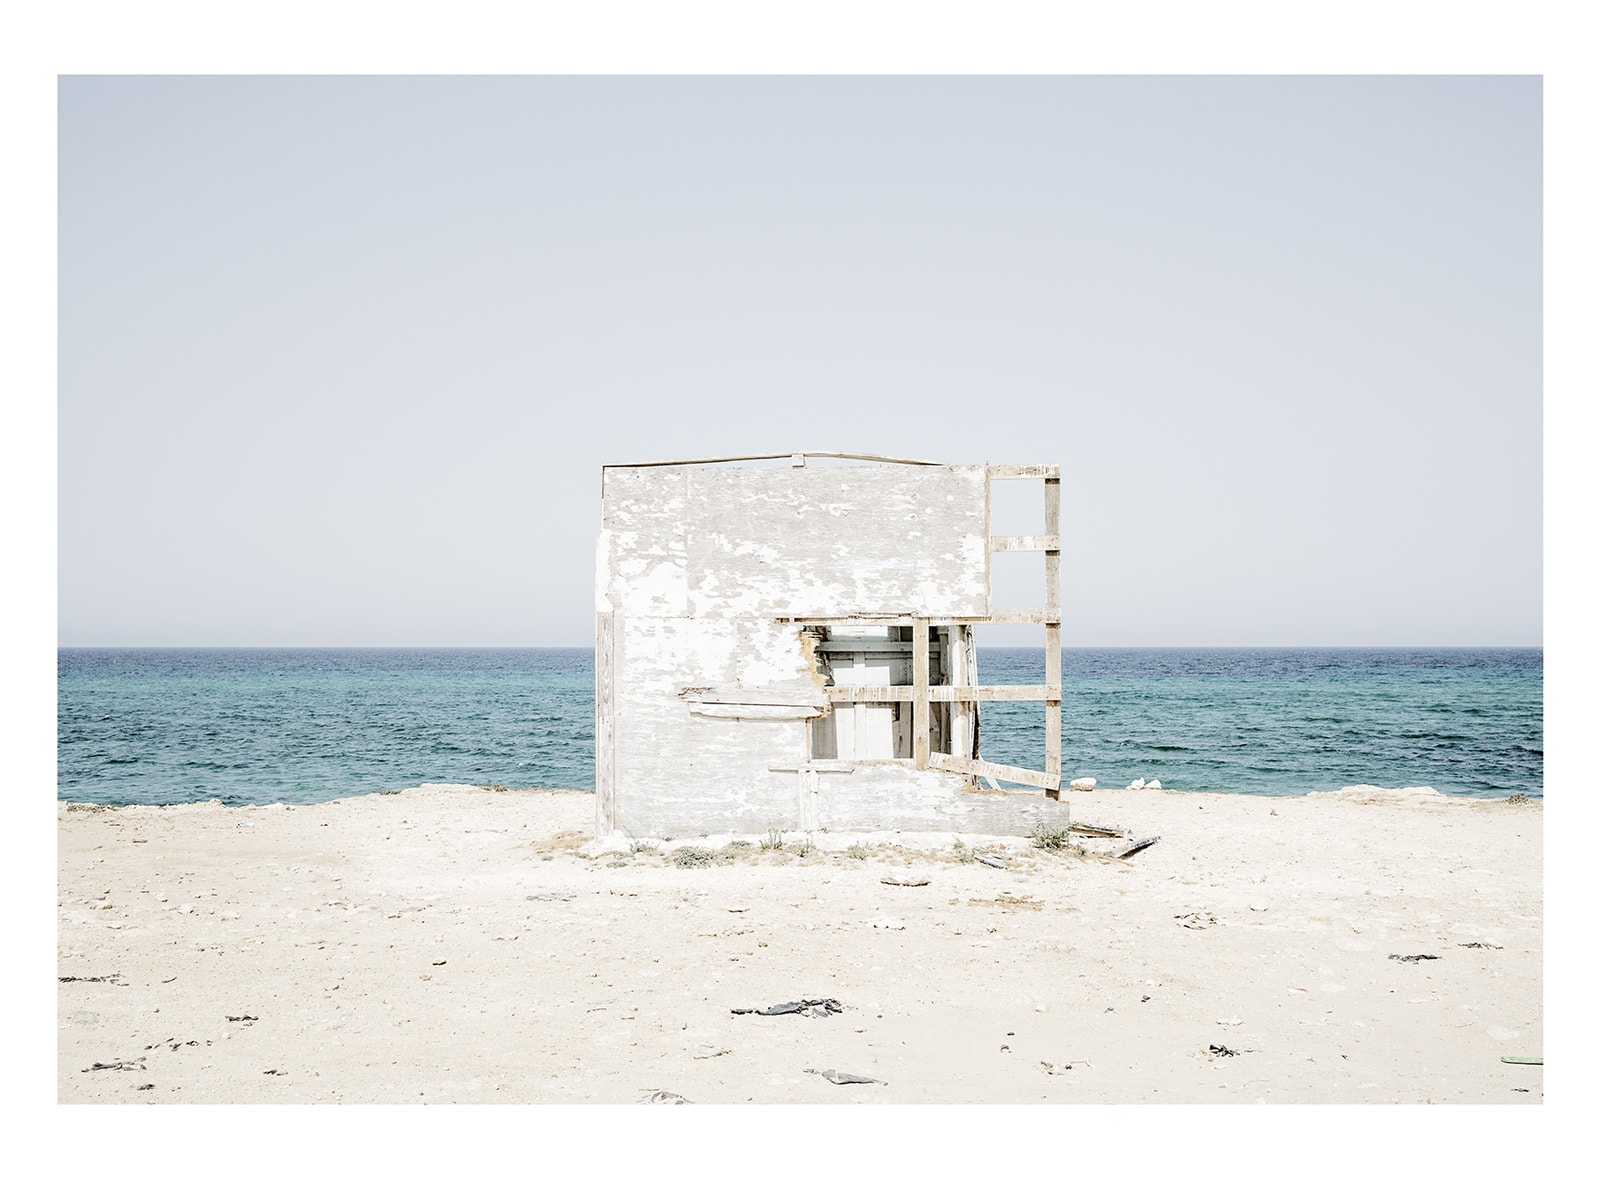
[(965, 698)]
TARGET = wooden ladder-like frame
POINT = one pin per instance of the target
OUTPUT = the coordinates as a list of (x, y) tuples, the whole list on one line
[(964, 693)]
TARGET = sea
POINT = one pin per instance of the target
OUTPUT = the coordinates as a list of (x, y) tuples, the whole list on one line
[(257, 726)]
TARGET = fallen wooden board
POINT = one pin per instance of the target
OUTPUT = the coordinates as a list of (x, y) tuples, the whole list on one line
[(1091, 829), (1137, 846)]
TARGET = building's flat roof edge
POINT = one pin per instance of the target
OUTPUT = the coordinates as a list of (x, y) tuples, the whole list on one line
[(730, 459)]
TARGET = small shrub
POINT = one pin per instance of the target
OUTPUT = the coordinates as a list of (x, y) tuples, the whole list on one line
[(1051, 837), (857, 851), (773, 840), (961, 851), (807, 848), (691, 857), (1519, 799), (498, 789), (637, 846)]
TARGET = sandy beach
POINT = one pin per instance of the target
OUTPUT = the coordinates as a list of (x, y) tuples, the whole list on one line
[(466, 944)]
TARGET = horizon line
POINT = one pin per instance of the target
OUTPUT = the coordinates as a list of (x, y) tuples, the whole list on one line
[(564, 647)]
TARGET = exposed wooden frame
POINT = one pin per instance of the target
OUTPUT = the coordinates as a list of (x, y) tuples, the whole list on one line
[(1023, 471), (1052, 633), (920, 713), (942, 693), (1000, 772), (963, 695), (1024, 543)]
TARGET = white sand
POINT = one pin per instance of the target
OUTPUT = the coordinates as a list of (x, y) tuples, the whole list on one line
[(455, 944)]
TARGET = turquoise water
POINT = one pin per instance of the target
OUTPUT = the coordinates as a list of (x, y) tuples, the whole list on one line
[(255, 726)]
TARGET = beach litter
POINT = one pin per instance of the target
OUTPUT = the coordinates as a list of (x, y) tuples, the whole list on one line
[(1196, 920), (816, 1008), (110, 979), (990, 861), (897, 881), (1050, 1067), (1221, 1050), (840, 1078), (666, 1097), (1523, 1060), (136, 1063), (1413, 958)]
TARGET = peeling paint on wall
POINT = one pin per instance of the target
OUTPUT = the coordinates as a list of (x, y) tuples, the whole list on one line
[(703, 575)]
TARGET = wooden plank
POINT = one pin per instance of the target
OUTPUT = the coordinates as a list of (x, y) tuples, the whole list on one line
[(814, 766), (843, 694), (605, 794), (1019, 617), (960, 711), (1052, 705), (919, 684), (1024, 543), (1052, 558), (1091, 829), (1023, 471), (1052, 630), (765, 710), (1000, 772), (905, 620), (878, 647), (1137, 846)]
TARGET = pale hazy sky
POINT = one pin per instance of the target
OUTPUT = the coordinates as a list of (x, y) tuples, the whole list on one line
[(340, 358)]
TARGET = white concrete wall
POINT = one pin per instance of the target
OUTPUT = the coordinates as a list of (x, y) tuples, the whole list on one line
[(694, 564)]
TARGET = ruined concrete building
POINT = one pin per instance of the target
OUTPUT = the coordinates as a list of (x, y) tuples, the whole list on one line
[(786, 642)]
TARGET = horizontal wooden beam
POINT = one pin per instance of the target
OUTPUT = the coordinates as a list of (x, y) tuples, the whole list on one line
[(1024, 471), (1035, 617), (1024, 617), (878, 647), (734, 701), (1024, 542), (845, 694), (768, 711), (1000, 772)]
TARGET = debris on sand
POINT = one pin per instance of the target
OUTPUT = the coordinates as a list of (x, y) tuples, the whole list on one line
[(816, 1008), (839, 1078)]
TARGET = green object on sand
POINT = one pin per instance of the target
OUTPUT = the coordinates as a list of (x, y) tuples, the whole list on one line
[(1523, 1060)]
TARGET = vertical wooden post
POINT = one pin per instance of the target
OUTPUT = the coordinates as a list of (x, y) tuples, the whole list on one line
[(919, 690), (1052, 632), (960, 712), (605, 794)]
